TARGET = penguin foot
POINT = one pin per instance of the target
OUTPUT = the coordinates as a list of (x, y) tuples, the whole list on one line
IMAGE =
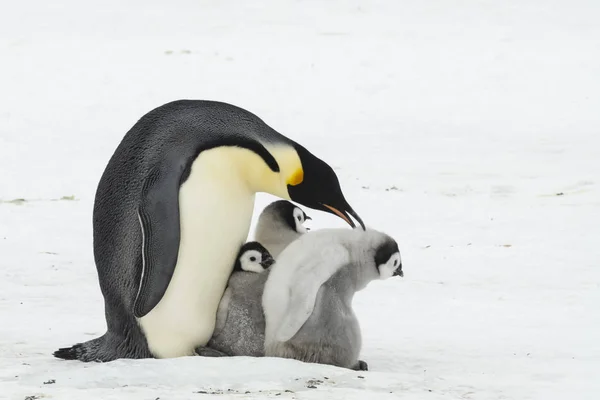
[(360, 366), (208, 352)]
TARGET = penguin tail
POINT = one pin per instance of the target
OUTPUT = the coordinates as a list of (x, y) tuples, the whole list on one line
[(108, 347), (86, 352), (69, 353)]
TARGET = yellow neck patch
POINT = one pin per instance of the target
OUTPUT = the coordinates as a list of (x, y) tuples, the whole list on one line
[(296, 178), (259, 177)]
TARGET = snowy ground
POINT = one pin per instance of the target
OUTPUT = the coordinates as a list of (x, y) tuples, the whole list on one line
[(470, 131)]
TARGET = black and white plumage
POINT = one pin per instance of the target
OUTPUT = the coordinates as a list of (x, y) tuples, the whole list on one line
[(240, 325), (253, 257), (279, 224), (307, 300), (172, 208)]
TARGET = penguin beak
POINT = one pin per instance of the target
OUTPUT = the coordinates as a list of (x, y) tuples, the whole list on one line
[(267, 262), (307, 218), (398, 272), (344, 215)]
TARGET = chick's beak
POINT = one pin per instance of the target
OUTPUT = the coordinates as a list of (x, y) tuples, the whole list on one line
[(307, 218), (398, 271), (267, 262)]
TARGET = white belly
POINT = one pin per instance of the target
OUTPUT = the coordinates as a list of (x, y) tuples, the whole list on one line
[(215, 208)]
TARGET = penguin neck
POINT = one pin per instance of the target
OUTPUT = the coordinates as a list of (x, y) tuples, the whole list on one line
[(251, 170), (261, 178)]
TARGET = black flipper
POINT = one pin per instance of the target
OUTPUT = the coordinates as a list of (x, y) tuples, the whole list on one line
[(158, 213)]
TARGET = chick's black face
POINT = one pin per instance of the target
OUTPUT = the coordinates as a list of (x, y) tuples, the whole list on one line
[(265, 258), (320, 189), (384, 254)]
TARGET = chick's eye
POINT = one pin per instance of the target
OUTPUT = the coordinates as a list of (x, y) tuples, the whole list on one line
[(395, 263), (252, 259)]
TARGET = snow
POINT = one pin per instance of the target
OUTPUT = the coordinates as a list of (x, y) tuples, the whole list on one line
[(467, 130)]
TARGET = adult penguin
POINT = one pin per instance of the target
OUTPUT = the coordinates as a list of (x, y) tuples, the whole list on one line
[(172, 209)]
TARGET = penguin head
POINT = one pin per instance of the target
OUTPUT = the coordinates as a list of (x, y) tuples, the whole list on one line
[(316, 186), (285, 212), (297, 220), (253, 257), (387, 259)]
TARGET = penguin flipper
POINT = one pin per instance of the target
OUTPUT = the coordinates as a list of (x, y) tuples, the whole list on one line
[(158, 213), (307, 280)]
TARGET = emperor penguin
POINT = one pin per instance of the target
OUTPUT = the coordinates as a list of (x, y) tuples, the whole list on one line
[(279, 224), (307, 299), (240, 325), (172, 209)]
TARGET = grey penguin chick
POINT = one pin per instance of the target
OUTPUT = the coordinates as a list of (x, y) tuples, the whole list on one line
[(279, 224), (307, 299), (240, 324)]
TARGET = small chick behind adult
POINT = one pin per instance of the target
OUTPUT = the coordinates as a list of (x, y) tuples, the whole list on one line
[(240, 323), (279, 224)]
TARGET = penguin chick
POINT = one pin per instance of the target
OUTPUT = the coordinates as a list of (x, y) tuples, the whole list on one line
[(252, 257), (280, 223), (307, 298), (240, 325)]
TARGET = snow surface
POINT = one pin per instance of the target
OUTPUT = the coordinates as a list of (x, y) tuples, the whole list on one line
[(469, 130)]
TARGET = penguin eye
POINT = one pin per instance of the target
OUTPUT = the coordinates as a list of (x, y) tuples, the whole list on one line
[(395, 263), (299, 218), (252, 258)]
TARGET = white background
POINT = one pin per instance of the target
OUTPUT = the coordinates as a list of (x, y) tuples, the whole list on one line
[(469, 130)]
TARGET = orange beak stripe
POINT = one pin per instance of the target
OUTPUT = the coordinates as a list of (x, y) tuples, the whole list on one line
[(339, 214)]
